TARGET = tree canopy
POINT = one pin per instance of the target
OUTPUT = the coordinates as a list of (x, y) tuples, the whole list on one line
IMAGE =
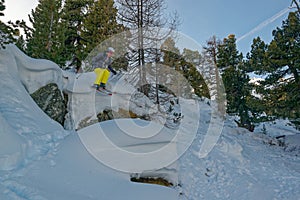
[(6, 32)]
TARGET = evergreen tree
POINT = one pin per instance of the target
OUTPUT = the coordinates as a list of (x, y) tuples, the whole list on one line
[(6, 32), (284, 49), (228, 55), (192, 56), (258, 63), (195, 79), (280, 62), (282, 93), (171, 58), (21, 43), (235, 80), (74, 14), (257, 59), (191, 63), (100, 23), (186, 64), (46, 39), (171, 54)]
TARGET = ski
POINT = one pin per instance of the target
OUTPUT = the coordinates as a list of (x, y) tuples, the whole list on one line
[(108, 92), (104, 91), (101, 90)]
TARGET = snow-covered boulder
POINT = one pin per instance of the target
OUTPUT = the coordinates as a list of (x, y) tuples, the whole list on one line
[(51, 101), (33, 73)]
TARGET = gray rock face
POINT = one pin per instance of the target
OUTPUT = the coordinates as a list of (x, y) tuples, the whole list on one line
[(49, 98)]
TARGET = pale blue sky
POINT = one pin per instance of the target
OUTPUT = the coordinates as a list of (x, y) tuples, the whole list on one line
[(202, 19)]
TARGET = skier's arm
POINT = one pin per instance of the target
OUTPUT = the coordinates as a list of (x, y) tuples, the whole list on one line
[(112, 70)]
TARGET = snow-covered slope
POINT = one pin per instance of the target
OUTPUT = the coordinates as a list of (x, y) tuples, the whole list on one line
[(38, 158), (26, 130), (241, 166), (41, 160), (68, 171)]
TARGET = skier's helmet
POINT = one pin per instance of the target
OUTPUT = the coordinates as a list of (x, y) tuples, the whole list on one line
[(110, 49)]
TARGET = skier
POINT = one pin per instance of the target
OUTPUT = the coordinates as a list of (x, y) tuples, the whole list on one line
[(102, 68)]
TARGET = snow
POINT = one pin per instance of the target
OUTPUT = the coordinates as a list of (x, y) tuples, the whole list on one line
[(41, 160), (241, 166), (70, 172), (206, 157), (11, 155), (277, 127)]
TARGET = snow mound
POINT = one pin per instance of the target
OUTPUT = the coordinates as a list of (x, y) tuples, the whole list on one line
[(26, 130), (131, 145)]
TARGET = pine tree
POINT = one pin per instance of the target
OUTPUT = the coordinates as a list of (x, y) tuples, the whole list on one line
[(284, 57), (74, 14), (235, 80), (280, 62), (284, 49), (46, 39), (171, 54), (171, 58), (6, 32), (186, 64), (21, 43), (228, 55), (191, 56), (101, 29), (257, 59), (191, 61), (196, 80), (257, 63), (100, 23)]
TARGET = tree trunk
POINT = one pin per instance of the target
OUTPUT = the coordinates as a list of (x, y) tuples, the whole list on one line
[(49, 43)]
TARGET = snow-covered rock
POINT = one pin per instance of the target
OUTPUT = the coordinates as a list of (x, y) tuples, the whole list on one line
[(51, 101), (33, 73)]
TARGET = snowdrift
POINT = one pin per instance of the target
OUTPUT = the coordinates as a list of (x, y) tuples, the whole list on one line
[(25, 127)]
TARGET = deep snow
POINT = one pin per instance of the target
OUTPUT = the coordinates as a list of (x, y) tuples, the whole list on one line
[(39, 159)]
